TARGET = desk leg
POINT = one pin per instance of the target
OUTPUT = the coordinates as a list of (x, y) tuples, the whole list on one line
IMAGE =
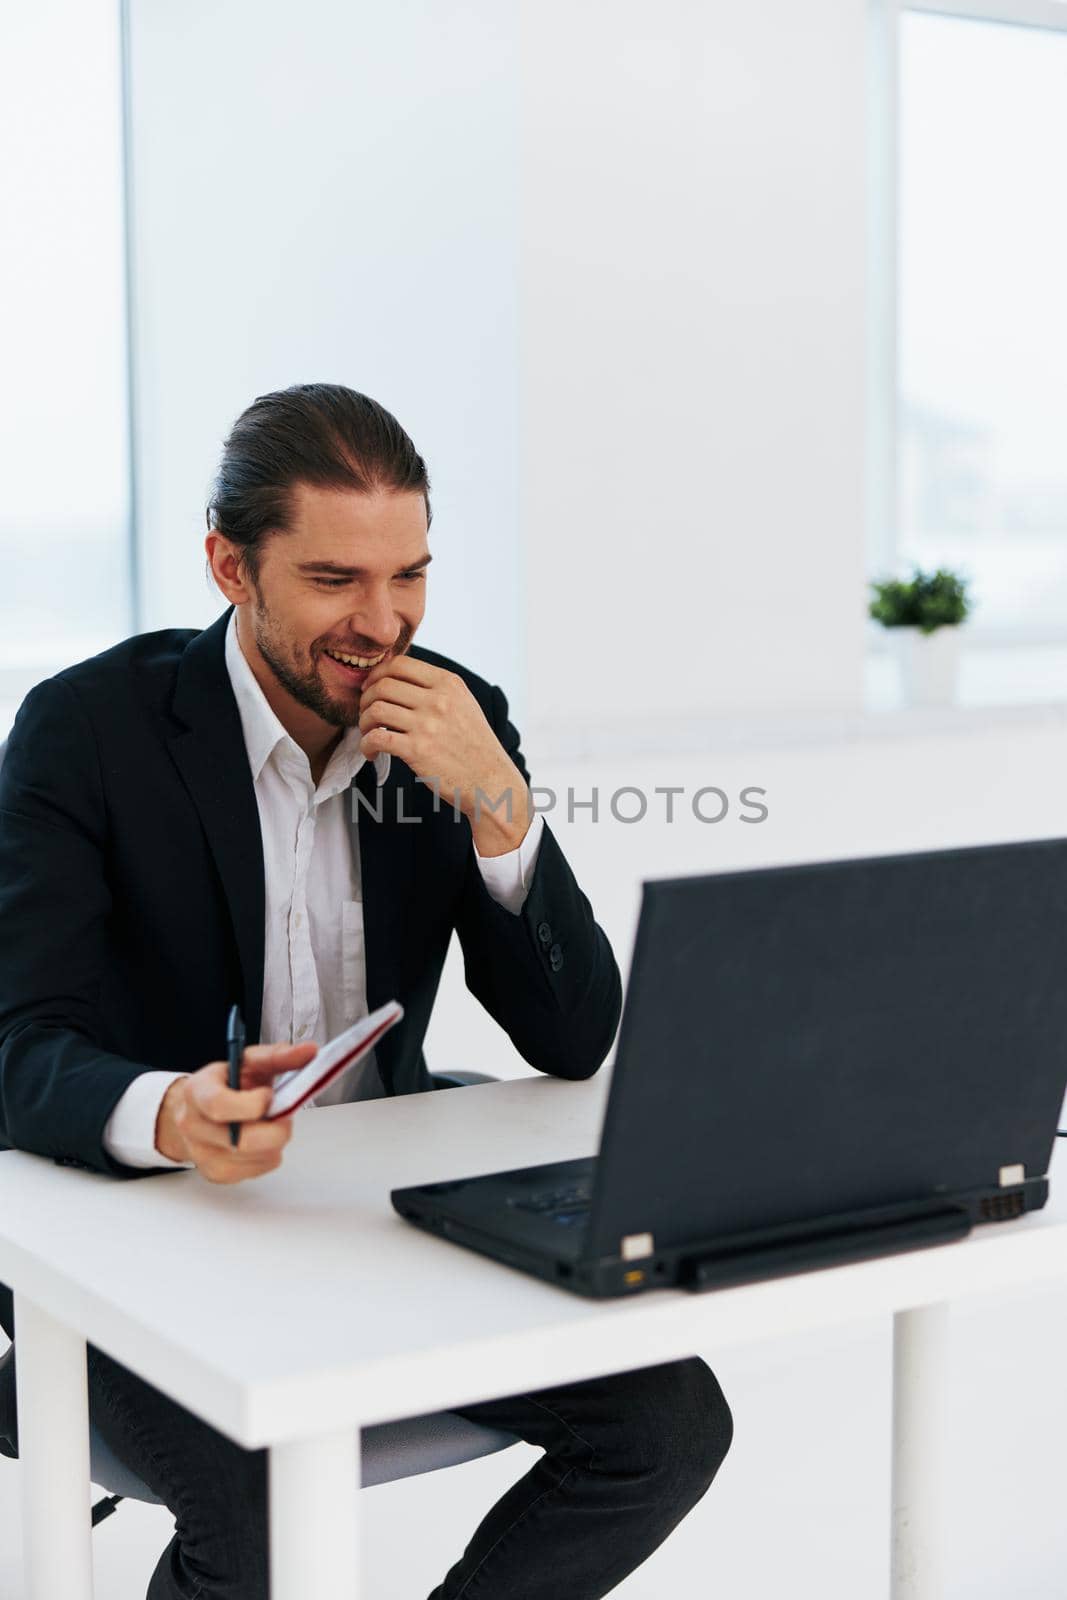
[(53, 1401), (920, 1371), (314, 1518)]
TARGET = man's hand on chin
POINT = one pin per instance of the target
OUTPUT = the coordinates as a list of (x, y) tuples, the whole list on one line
[(194, 1117), (428, 718)]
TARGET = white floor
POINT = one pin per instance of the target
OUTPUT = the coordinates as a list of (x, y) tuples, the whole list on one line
[(801, 1505)]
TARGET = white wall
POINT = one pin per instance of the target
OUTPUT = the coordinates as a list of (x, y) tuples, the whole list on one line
[(637, 246), (327, 192), (834, 788), (693, 355)]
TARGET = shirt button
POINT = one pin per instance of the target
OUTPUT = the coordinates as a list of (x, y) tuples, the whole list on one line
[(301, 1033), (299, 919), (544, 932)]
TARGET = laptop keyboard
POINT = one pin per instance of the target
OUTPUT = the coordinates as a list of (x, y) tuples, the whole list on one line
[(567, 1206)]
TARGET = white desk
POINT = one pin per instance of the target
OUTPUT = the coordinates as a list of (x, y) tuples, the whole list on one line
[(291, 1310)]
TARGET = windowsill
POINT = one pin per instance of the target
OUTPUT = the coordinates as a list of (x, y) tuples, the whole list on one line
[(1013, 678), (1000, 687)]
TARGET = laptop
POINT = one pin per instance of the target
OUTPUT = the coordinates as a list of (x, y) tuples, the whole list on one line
[(816, 1064)]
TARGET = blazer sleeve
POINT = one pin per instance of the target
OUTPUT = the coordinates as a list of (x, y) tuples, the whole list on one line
[(58, 1086), (547, 975)]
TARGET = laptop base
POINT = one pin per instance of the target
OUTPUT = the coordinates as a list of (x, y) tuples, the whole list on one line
[(469, 1212)]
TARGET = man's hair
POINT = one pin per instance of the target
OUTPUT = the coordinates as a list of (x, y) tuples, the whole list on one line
[(317, 433)]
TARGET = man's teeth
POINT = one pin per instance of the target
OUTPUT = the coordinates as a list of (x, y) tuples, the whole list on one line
[(357, 661)]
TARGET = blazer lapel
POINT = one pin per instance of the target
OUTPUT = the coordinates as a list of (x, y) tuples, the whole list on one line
[(209, 751)]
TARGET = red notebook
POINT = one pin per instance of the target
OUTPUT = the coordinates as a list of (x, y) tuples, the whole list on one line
[(293, 1089)]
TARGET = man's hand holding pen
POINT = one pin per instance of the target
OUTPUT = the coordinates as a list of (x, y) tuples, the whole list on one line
[(194, 1118)]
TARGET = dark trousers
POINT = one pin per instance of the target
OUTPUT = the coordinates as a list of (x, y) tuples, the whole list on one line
[(625, 1458)]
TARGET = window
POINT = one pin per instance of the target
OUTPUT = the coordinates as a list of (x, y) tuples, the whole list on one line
[(65, 499), (982, 317)]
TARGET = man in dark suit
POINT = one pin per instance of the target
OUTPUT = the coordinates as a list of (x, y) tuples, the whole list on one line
[(176, 832)]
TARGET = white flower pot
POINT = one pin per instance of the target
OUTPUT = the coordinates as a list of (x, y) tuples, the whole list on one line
[(929, 664)]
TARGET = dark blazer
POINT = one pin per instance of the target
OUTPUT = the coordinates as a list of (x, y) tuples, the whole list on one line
[(132, 901)]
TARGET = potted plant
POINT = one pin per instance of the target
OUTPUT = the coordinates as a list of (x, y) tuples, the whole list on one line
[(923, 614)]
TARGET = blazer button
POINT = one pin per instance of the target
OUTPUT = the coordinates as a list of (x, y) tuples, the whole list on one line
[(555, 958), (544, 933)]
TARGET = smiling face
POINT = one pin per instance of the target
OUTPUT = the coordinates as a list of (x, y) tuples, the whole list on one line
[(341, 588)]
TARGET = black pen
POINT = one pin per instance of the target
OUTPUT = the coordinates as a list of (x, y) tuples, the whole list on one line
[(235, 1049)]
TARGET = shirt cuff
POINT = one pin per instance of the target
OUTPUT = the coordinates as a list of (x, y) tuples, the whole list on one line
[(507, 877), (130, 1131)]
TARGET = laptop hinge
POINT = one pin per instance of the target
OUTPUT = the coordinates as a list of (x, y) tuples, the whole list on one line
[(804, 1251)]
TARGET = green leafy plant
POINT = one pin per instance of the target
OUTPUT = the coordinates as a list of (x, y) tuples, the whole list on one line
[(928, 600)]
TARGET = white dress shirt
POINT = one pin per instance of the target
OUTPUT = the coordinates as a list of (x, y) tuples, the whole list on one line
[(314, 967)]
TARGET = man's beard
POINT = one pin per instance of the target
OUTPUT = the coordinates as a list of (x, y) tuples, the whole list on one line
[(306, 687)]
